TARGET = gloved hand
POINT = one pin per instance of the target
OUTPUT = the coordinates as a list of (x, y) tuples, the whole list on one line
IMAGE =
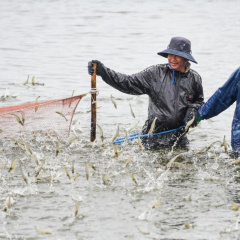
[(199, 118), (189, 116), (91, 69)]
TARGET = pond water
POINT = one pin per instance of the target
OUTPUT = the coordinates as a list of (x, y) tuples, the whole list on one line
[(85, 191)]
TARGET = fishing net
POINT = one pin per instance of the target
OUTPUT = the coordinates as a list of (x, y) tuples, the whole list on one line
[(52, 116)]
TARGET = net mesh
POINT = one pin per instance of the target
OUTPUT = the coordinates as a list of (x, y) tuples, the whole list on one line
[(52, 116)]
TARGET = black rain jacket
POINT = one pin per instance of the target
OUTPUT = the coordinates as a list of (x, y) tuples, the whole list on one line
[(167, 101)]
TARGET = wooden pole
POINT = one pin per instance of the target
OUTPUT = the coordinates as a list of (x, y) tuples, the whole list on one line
[(93, 104)]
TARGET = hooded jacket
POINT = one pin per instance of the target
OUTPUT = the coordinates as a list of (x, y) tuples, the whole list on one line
[(224, 97), (167, 101)]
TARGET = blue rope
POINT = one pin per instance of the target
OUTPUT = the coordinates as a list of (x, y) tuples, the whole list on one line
[(135, 135)]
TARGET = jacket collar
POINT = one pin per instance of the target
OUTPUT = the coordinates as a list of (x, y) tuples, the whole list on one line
[(188, 65)]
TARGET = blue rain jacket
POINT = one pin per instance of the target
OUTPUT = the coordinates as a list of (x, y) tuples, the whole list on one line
[(224, 97)]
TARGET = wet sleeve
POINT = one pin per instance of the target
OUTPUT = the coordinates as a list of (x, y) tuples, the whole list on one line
[(224, 97), (135, 84), (199, 99)]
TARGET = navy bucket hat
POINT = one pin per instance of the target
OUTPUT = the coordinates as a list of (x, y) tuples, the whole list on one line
[(179, 46)]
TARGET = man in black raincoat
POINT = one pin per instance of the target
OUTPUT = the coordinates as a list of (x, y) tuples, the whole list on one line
[(175, 92)]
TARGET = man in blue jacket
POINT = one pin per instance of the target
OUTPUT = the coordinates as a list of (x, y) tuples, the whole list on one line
[(224, 97)]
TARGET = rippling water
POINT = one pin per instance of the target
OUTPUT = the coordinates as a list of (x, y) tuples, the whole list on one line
[(53, 41)]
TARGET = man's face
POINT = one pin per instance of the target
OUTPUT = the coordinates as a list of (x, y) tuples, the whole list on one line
[(176, 61)]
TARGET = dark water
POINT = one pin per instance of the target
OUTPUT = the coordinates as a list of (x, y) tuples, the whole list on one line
[(53, 41)]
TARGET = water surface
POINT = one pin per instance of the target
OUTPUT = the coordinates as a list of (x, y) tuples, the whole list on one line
[(53, 41)]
